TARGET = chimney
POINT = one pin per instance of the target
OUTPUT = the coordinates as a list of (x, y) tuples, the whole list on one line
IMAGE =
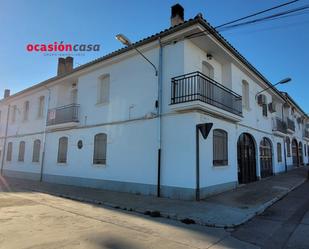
[(68, 64), (65, 65), (6, 93), (61, 66), (177, 16)]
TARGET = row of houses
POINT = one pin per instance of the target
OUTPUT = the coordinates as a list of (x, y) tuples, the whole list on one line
[(194, 119)]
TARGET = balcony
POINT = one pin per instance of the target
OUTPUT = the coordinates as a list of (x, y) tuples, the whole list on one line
[(290, 126), (197, 91), (306, 135), (64, 116), (279, 127)]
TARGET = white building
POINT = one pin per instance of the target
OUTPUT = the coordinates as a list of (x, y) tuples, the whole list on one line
[(114, 124)]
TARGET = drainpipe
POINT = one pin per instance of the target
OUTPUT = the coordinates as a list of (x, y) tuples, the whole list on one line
[(159, 118), (44, 137), (5, 138)]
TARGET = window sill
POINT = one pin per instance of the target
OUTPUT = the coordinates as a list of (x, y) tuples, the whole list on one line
[(220, 166), (101, 104), (95, 165), (62, 164)]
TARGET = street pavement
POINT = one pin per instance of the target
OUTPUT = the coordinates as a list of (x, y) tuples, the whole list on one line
[(228, 209), (32, 220), (283, 225), (34, 216)]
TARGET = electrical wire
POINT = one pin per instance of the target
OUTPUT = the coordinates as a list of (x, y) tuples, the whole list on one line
[(257, 13), (243, 18), (283, 14), (267, 18)]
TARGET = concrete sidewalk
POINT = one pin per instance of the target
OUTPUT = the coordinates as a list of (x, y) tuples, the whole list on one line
[(227, 210)]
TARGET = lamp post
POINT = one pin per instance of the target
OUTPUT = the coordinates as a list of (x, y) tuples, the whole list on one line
[(125, 41), (283, 81)]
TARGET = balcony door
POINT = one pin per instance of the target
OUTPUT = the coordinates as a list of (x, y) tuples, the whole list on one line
[(74, 96), (246, 158), (208, 71), (295, 153), (266, 159)]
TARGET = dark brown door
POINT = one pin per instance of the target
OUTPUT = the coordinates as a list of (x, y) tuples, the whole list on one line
[(246, 159), (295, 153), (266, 159)]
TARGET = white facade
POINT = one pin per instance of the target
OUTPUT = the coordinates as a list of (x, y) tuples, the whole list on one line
[(129, 117)]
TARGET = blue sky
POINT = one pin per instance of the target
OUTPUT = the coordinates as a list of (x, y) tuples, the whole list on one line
[(277, 48)]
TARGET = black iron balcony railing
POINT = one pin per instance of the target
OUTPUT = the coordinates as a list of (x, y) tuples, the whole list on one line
[(279, 125), (290, 124), (63, 114), (197, 86)]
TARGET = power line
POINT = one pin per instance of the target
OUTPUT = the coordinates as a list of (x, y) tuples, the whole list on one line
[(233, 21), (245, 32), (257, 13), (267, 18), (283, 14)]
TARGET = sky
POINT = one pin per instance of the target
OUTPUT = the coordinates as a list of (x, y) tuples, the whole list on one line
[(278, 49)]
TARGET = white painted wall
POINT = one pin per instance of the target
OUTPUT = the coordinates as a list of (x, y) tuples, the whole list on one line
[(132, 130)]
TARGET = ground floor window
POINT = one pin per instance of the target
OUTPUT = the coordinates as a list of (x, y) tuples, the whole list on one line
[(62, 150), (288, 146), (9, 152), (36, 150), (220, 148), (279, 152), (21, 153), (100, 144)]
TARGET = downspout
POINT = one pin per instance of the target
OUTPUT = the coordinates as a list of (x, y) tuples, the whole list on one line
[(159, 118), (44, 137), (5, 138)]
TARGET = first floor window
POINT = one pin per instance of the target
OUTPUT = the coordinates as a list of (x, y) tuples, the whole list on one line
[(279, 152), (103, 89), (26, 110), (100, 144), (9, 152), (220, 148), (264, 108), (36, 151), (41, 106), (21, 153), (62, 150)]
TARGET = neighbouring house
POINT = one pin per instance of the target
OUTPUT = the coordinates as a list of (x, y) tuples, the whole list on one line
[(199, 126)]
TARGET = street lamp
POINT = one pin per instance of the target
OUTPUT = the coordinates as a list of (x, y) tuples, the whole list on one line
[(283, 81), (125, 41)]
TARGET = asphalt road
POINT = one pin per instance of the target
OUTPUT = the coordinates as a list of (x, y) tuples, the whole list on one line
[(283, 225), (36, 220)]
